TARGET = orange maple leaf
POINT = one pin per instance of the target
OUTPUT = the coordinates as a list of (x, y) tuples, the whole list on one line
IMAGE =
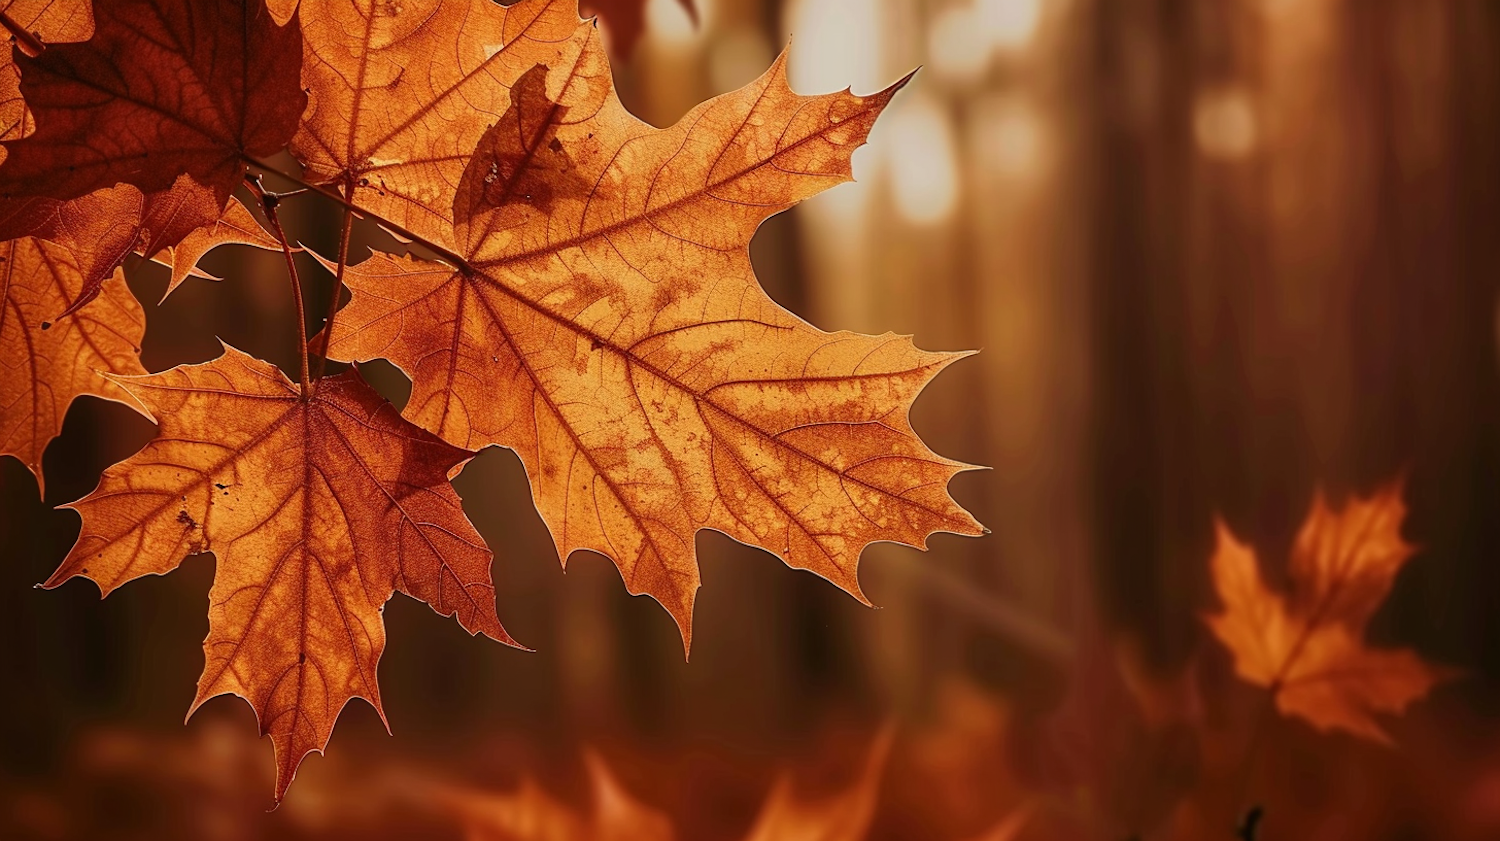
[(596, 311), (591, 305), (317, 509), (45, 366), (1307, 646)]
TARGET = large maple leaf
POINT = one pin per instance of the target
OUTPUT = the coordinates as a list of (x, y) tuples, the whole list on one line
[(317, 508), (1307, 646), (596, 311), (45, 366)]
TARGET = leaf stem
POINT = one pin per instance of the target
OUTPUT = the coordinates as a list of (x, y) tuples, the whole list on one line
[(442, 253), (268, 203), (28, 42), (338, 281)]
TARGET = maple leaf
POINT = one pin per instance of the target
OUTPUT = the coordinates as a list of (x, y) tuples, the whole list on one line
[(531, 814), (1307, 646), (142, 131), (317, 509), (164, 88), (44, 367), (845, 816), (625, 20), (104, 227), (598, 314)]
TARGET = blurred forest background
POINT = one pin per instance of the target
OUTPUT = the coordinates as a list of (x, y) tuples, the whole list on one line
[(1215, 255)]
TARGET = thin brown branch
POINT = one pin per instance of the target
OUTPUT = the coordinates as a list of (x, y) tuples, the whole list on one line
[(27, 41), (338, 282), (269, 202), (439, 251)]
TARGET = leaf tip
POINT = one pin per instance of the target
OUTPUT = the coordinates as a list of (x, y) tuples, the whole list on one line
[(904, 80)]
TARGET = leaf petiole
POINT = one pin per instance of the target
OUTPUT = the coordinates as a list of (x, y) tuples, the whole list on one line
[(439, 251), (338, 282), (269, 202)]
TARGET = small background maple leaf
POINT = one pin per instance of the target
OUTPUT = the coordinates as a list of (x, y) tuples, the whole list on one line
[(1307, 645)]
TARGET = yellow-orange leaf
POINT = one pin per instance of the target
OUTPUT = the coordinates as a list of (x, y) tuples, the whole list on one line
[(599, 315), (42, 369), (1307, 645), (317, 511)]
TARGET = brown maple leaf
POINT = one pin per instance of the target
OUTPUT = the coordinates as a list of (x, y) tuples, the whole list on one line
[(1307, 645), (317, 509), (142, 131), (164, 88), (625, 20), (596, 311), (45, 366), (104, 227)]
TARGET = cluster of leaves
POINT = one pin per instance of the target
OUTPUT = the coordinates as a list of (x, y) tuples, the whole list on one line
[(579, 291)]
